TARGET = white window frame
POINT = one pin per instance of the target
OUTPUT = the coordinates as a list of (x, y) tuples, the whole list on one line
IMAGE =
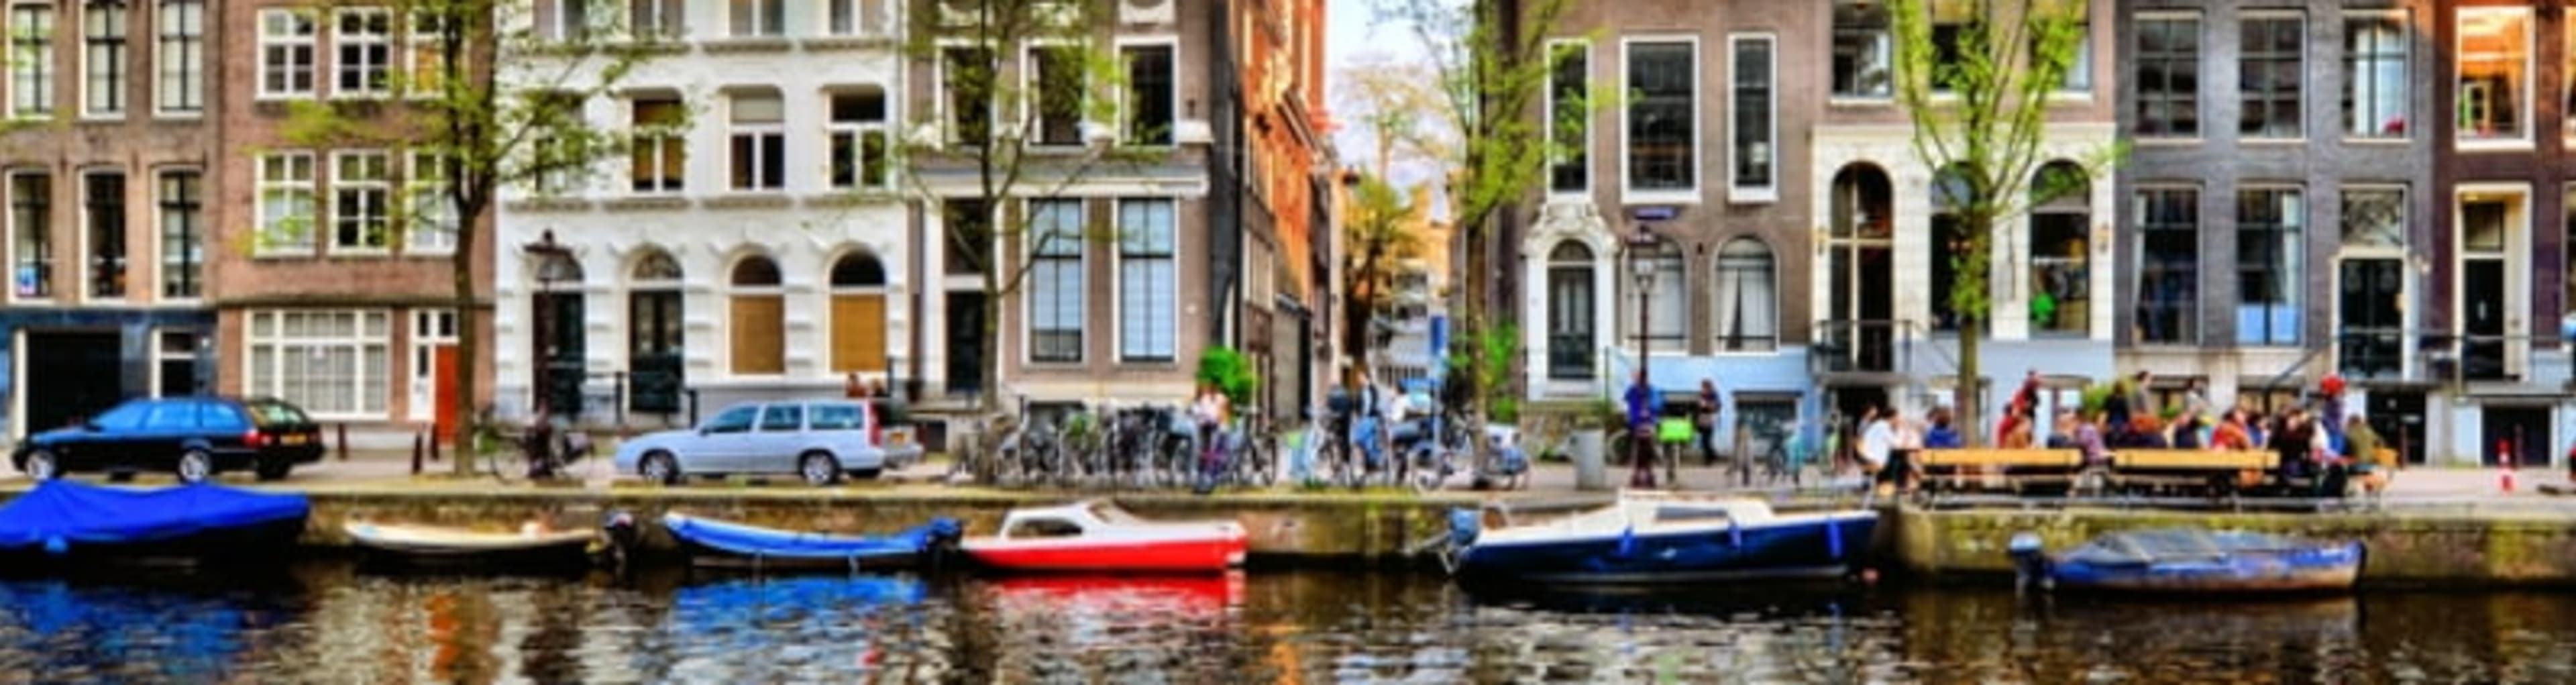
[(307, 42), (736, 130), (39, 102), (857, 13), (1548, 110), (2406, 59), (2517, 266), (430, 329), (2305, 93), (735, 24), (567, 27), (1628, 193), (1117, 270), (430, 225), (945, 109), (181, 56), (2199, 266), (382, 189), (1029, 301), (858, 133), (161, 356), (656, 141), (52, 261), (2293, 258), (1736, 191), (265, 328), (264, 239), (1033, 98), (2199, 97), (119, 69), (346, 44), (1173, 136), (88, 288), (657, 19), (161, 217), (2526, 104), (421, 58)]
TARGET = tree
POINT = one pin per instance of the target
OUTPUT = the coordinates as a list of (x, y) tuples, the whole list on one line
[(484, 102), (1977, 93), (1377, 233), (1002, 138), (1493, 63), (1390, 101)]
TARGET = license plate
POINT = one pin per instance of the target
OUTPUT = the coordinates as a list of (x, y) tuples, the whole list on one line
[(900, 438), (292, 439)]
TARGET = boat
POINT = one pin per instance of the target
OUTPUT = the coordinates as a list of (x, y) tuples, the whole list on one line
[(62, 523), (2192, 560), (530, 546), (1098, 536), (1652, 537), (711, 542)]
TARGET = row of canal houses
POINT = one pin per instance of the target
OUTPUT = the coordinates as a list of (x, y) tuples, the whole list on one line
[(768, 248), (2370, 188)]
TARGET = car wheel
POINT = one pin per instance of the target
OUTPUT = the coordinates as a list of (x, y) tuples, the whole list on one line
[(273, 470), (659, 468), (818, 468), (196, 466), (42, 466)]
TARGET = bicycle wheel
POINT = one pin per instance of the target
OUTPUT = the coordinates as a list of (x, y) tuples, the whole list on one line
[(506, 464)]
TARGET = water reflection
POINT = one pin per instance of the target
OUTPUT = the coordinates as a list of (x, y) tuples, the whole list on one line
[(328, 624)]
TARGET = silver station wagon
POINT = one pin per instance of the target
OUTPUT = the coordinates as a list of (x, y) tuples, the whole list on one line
[(818, 441)]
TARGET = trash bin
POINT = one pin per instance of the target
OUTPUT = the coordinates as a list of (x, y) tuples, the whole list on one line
[(1591, 471)]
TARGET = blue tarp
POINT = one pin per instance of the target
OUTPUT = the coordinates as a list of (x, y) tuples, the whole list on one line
[(784, 544), (61, 513)]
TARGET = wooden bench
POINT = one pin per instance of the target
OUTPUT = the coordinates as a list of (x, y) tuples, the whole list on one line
[(2219, 470), (1998, 469)]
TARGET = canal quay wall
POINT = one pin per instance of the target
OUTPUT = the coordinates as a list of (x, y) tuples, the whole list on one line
[(2410, 546)]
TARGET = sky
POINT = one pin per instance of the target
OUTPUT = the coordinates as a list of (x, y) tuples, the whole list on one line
[(1352, 29)]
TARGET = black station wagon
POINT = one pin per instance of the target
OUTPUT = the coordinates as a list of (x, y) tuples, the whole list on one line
[(194, 437)]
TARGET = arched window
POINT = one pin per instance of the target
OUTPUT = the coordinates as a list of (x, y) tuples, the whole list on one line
[(858, 313), (759, 318), (2060, 249), (1571, 339), (1659, 269), (1747, 297), (1859, 328), (653, 333)]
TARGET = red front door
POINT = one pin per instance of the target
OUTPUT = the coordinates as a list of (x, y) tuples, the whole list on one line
[(443, 378)]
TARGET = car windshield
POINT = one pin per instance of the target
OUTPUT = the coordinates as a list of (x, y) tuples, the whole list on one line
[(124, 417), (275, 413)]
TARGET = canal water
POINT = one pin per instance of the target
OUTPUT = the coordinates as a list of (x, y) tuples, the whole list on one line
[(328, 622)]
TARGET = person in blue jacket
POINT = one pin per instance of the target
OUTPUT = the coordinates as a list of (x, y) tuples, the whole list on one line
[(1644, 405)]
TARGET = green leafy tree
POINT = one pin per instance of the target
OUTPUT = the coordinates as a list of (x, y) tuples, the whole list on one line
[(1002, 136), (1977, 93), (485, 103), (1231, 373), (1377, 234)]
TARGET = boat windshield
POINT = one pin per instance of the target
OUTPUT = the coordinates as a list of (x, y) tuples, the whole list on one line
[(1110, 513)]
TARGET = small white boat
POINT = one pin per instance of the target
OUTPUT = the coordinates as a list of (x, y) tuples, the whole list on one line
[(1653, 537), (1098, 536), (434, 544)]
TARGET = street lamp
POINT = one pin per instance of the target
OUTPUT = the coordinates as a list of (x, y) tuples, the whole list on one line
[(1641, 264)]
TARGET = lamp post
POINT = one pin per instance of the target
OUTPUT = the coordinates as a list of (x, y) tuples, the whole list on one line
[(1642, 441)]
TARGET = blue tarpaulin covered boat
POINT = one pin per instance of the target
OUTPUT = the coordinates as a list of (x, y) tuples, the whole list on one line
[(724, 543), (202, 522), (2194, 561), (1664, 537)]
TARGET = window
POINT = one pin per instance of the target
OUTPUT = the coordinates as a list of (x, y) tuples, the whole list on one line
[(2374, 72), (1864, 52), (1148, 281), (183, 234), (862, 157), (661, 19), (557, 164), (1747, 297), (1753, 132), (968, 75), (361, 201), (2061, 270), (285, 53), (572, 20), (331, 363), (2168, 76), (427, 50), (759, 319), (31, 241), (782, 418), (2267, 266), (364, 39), (1950, 23), (759, 142), (1056, 283), (2374, 217), (659, 157), (31, 60), (2079, 70), (1149, 93), (2494, 56), (858, 17), (181, 53), (1569, 117), (1663, 79), (735, 420), (836, 417), (1571, 345), (172, 416), (103, 68), (858, 314), (103, 209), (970, 237), (123, 417), (2168, 265), (1950, 192), (1667, 296), (2268, 76), (1056, 88), (430, 215), (285, 203), (759, 17)]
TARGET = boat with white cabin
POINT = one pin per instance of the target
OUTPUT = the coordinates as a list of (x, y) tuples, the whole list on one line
[(1098, 536), (1660, 537)]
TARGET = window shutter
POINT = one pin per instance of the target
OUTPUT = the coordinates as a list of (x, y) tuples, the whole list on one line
[(759, 348), (858, 333)]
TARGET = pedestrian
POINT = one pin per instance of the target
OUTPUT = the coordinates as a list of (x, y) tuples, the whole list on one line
[(2088, 438), (1644, 405), (1942, 436), (1706, 421), (2231, 434), (2370, 460), (1877, 448), (1909, 445)]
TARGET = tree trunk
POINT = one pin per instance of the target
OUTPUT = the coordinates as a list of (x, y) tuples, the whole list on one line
[(469, 345), (1968, 399)]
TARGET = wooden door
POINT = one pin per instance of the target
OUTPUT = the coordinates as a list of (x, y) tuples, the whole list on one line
[(442, 369)]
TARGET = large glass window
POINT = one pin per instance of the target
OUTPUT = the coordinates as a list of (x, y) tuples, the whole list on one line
[(430, 224), (862, 156), (1571, 345), (2061, 268), (1148, 281), (1864, 53), (759, 17), (2079, 71), (31, 59), (1055, 78), (103, 68), (285, 203), (286, 45), (1663, 92), (857, 17), (1569, 118), (103, 208), (2168, 265), (663, 19), (31, 236), (759, 141), (2269, 74), (1667, 297), (967, 75), (330, 363), (1747, 297), (1056, 284), (2494, 56), (1752, 127), (2168, 76), (2374, 72), (363, 40), (658, 159), (1149, 94), (361, 201), (183, 234), (181, 53), (2268, 284), (1949, 232)]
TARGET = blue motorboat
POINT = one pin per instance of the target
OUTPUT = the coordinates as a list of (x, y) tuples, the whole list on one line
[(723, 543), (2192, 561), (64, 521), (1660, 537)]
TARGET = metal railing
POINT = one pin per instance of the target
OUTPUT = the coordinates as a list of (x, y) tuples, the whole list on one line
[(1876, 345)]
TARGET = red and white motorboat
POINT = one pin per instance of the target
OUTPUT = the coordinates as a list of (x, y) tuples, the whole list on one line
[(1098, 536)]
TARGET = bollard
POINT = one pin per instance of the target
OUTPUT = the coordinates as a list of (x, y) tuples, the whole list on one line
[(344, 442), (433, 444), (415, 453), (2504, 455)]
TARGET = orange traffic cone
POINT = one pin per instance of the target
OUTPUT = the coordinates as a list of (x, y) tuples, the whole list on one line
[(2504, 455)]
